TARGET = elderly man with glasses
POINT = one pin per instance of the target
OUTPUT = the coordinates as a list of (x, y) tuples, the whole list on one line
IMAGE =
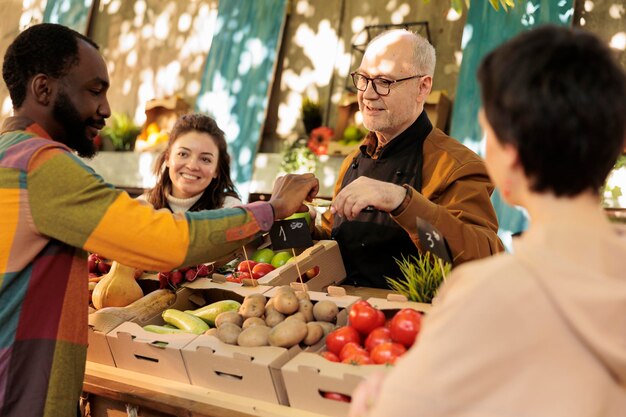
[(405, 169)]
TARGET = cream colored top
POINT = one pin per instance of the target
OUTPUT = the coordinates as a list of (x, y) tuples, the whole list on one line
[(537, 333), (181, 205)]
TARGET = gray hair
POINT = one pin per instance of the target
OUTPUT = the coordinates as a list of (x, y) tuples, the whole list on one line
[(424, 58)]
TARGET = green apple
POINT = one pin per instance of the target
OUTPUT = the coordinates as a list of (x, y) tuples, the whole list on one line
[(280, 259), (263, 255), (306, 216)]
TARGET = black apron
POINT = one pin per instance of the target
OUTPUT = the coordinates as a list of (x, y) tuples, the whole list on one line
[(371, 241)]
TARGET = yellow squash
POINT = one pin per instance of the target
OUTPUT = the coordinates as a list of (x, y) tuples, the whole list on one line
[(118, 288)]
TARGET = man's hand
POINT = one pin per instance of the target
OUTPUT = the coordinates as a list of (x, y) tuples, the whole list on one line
[(289, 193), (365, 192)]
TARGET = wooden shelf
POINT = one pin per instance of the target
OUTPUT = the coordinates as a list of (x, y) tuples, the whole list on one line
[(110, 389)]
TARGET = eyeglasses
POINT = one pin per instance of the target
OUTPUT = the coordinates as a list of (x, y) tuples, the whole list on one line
[(382, 86)]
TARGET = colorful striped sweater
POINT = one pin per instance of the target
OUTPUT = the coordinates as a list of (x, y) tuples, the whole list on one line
[(54, 208)]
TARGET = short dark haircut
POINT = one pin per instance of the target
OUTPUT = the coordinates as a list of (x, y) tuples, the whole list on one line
[(557, 95), (222, 186), (45, 48)]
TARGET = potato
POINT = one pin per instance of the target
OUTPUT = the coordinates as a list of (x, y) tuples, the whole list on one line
[(297, 316), (286, 302), (228, 333), (284, 288), (228, 317), (253, 321), (211, 332), (303, 295), (326, 326), (273, 317), (288, 333), (257, 296), (306, 308), (254, 336), (253, 306), (314, 334), (269, 306), (325, 310)]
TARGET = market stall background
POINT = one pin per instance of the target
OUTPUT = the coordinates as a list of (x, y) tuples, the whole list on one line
[(251, 63)]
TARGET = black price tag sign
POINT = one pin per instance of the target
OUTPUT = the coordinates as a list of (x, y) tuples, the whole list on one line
[(292, 233), (433, 241)]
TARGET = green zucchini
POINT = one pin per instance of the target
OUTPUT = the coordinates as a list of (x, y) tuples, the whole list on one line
[(209, 312), (185, 321), (162, 329)]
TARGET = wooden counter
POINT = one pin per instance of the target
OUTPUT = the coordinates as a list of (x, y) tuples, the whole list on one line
[(110, 389)]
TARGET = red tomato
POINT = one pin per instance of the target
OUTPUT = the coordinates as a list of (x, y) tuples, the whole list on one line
[(313, 272), (246, 266), (387, 353), (261, 269), (350, 349), (376, 337), (329, 356), (381, 317), (238, 277), (337, 397), (242, 275), (234, 279), (365, 318), (338, 338), (405, 326), (358, 358)]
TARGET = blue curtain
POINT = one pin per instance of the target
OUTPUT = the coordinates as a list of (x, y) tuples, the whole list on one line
[(238, 74), (485, 29), (71, 13)]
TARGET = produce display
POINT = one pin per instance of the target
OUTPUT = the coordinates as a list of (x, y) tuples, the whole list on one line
[(371, 338), (285, 320), (262, 262)]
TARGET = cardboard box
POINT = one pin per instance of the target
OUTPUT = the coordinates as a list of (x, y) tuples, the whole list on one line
[(149, 353), (98, 349), (324, 254), (160, 355), (395, 302), (253, 372), (308, 376)]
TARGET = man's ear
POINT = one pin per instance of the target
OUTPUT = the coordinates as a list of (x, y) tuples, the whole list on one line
[(425, 86), (42, 88)]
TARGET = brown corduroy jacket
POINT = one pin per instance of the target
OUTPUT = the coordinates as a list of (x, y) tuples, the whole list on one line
[(455, 198)]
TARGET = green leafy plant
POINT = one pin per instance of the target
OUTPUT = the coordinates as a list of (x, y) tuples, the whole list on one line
[(611, 191), (311, 115), (457, 5), (121, 131), (422, 276), (298, 158)]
